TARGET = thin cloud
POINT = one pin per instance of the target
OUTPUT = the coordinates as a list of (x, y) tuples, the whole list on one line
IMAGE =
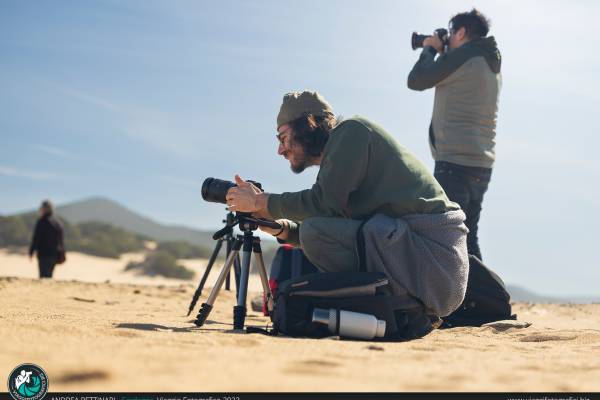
[(176, 134), (86, 97), (19, 173), (190, 183), (54, 151), (156, 128), (61, 153)]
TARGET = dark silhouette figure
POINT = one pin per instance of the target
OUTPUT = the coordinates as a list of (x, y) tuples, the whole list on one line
[(47, 240)]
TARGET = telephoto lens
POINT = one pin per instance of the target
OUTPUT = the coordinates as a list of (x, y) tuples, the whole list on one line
[(350, 324), (215, 190)]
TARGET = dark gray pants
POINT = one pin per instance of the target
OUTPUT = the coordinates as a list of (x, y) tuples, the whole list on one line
[(330, 243), (465, 186), (46, 266)]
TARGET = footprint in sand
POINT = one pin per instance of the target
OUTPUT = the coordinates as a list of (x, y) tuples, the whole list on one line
[(246, 342), (82, 299), (540, 337), (82, 376), (312, 367), (127, 334)]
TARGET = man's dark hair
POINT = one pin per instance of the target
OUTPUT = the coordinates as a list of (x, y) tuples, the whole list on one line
[(47, 207), (475, 23), (312, 132)]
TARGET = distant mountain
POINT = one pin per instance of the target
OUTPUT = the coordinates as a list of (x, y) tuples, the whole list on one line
[(518, 293), (110, 212)]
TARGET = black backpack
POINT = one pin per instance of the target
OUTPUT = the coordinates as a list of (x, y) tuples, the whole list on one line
[(289, 262), (486, 299), (361, 292)]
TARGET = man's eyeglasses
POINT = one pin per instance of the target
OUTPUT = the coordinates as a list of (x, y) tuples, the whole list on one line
[(284, 138)]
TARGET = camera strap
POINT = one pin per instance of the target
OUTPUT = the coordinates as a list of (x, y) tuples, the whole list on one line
[(262, 331)]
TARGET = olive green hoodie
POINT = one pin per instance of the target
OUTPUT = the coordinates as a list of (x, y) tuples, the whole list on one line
[(364, 171), (467, 84)]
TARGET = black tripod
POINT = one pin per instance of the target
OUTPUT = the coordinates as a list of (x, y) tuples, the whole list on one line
[(249, 244), (224, 235)]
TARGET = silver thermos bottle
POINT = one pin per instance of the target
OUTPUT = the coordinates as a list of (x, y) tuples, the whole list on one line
[(350, 324)]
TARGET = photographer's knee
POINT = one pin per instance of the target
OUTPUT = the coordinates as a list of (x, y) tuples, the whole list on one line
[(309, 235)]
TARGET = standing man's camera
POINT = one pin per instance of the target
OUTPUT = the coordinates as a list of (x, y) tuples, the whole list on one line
[(416, 40)]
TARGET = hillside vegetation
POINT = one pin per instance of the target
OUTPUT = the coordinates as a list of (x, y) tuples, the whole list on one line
[(161, 263), (101, 227), (93, 238)]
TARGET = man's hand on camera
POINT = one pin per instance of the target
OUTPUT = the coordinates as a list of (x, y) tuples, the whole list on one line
[(435, 42), (247, 198)]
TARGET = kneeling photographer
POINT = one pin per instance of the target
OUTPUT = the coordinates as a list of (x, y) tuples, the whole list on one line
[(368, 187)]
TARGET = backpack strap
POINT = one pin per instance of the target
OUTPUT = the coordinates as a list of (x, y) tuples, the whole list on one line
[(296, 263), (360, 247)]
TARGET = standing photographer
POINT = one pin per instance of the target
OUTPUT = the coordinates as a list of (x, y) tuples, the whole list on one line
[(369, 187), (463, 126), (47, 240)]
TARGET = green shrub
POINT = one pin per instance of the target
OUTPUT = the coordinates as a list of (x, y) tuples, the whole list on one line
[(161, 263), (180, 249), (16, 231)]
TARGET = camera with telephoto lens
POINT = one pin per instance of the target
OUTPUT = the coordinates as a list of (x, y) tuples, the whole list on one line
[(215, 190), (416, 40)]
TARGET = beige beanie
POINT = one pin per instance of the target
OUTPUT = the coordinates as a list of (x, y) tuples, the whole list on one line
[(297, 104)]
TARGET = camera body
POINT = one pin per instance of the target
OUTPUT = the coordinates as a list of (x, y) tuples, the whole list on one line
[(215, 190), (416, 40)]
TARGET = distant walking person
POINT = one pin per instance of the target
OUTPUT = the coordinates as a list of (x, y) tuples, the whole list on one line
[(462, 133), (47, 241)]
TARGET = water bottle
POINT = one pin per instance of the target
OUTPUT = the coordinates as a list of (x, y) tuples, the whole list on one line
[(351, 324)]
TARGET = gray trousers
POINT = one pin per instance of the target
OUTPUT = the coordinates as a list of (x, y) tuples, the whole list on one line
[(330, 243)]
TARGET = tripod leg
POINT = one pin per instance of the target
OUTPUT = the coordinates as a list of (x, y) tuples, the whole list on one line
[(228, 246), (262, 271), (198, 291), (239, 311), (237, 269), (207, 307)]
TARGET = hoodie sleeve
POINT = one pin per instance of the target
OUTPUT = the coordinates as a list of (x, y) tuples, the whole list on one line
[(429, 71)]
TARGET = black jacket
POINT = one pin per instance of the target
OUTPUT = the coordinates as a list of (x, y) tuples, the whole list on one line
[(47, 237)]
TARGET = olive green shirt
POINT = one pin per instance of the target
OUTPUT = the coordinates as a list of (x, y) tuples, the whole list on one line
[(364, 171)]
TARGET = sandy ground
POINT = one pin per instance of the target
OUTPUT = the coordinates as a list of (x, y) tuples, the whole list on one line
[(85, 268), (133, 335)]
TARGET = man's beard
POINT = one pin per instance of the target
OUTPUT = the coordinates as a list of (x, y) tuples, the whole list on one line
[(302, 161)]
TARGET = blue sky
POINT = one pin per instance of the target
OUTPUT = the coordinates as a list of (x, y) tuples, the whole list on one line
[(139, 101)]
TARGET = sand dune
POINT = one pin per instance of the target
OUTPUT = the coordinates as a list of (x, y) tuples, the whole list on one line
[(86, 268), (92, 336)]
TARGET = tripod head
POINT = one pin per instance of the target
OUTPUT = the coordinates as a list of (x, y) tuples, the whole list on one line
[(246, 222)]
